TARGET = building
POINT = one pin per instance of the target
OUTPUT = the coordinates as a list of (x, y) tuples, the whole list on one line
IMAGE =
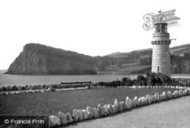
[(161, 51)]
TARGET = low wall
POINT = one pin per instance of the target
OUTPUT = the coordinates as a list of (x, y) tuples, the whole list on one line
[(78, 115)]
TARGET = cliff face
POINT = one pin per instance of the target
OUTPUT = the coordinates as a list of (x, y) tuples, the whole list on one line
[(36, 59), (28, 63)]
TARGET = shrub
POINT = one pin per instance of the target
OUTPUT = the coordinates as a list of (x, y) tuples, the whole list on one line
[(14, 88), (126, 81), (157, 79), (22, 88), (141, 80)]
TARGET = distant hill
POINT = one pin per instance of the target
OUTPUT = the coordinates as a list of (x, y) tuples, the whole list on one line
[(40, 59), (139, 61), (177, 50), (125, 54), (180, 50)]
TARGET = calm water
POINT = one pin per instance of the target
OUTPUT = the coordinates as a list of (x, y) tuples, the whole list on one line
[(6, 80)]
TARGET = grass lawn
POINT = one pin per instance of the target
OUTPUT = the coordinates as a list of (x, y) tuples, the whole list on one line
[(52, 102)]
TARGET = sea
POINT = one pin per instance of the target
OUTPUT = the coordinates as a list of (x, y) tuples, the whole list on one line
[(22, 80)]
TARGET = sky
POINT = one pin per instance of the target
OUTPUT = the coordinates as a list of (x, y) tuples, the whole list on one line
[(91, 27)]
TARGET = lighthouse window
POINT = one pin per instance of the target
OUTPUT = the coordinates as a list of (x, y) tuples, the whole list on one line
[(165, 28), (158, 69), (158, 28)]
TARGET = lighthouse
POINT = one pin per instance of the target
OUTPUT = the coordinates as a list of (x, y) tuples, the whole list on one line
[(161, 51)]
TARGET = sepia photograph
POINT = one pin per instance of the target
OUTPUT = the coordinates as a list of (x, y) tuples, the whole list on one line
[(94, 64)]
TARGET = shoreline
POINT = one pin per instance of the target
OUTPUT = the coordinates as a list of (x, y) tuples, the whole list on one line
[(22, 80)]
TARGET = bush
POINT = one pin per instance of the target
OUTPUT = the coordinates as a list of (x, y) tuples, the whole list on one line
[(22, 88), (14, 88), (126, 81), (153, 79), (141, 80), (157, 79), (181, 82)]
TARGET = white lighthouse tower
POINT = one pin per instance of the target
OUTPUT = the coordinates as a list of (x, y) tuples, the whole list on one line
[(161, 52)]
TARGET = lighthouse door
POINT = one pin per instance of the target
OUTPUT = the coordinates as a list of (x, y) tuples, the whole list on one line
[(158, 69)]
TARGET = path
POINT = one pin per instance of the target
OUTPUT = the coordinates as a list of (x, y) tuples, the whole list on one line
[(170, 114)]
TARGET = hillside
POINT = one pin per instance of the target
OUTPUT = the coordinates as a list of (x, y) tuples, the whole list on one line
[(139, 61), (180, 50), (177, 50), (37, 59)]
